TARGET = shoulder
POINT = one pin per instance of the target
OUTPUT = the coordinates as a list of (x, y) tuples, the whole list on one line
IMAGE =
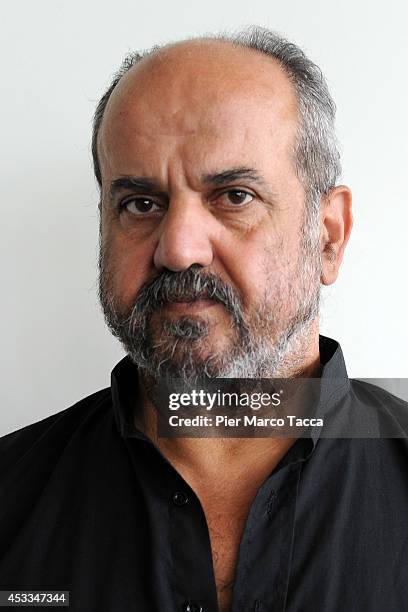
[(391, 411), (53, 431)]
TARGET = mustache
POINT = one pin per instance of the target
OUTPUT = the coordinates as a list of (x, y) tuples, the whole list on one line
[(187, 286)]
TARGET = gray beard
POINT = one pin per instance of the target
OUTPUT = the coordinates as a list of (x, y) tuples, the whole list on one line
[(260, 346)]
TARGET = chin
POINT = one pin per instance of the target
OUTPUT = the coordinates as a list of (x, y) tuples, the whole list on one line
[(188, 359)]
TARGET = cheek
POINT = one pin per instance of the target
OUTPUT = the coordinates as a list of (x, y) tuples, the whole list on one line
[(129, 266), (261, 265)]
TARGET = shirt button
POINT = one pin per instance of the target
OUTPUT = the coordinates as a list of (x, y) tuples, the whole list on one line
[(181, 499), (192, 606)]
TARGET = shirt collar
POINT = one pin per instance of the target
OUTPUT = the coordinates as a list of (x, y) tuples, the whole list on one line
[(125, 388), (334, 380)]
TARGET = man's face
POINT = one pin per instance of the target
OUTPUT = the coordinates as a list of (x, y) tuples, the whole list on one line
[(204, 264)]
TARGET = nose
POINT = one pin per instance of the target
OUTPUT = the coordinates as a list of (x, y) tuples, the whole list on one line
[(185, 237)]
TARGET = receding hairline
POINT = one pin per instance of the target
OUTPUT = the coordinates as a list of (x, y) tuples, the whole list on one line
[(316, 153), (160, 53)]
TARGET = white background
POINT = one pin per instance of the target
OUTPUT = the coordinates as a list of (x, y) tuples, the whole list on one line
[(57, 58)]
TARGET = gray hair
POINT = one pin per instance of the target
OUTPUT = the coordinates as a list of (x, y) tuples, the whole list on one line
[(316, 155)]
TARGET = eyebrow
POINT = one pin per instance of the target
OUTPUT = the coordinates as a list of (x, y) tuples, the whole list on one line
[(233, 174), (151, 186), (249, 175), (135, 183)]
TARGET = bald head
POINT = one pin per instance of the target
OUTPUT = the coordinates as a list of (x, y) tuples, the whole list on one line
[(205, 92), (200, 73), (243, 58)]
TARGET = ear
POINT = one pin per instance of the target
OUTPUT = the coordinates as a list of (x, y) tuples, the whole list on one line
[(336, 221)]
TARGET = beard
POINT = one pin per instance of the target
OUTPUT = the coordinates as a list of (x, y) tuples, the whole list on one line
[(266, 342)]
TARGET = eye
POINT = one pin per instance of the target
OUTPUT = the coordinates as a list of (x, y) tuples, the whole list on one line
[(138, 206), (236, 197)]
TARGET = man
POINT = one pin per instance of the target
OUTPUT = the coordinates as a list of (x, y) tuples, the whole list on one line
[(221, 217)]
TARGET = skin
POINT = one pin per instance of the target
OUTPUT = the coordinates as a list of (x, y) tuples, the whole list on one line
[(196, 109)]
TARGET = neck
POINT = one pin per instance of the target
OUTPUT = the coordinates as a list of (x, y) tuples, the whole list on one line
[(202, 458)]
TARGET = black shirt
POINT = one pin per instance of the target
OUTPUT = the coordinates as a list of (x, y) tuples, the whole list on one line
[(90, 505)]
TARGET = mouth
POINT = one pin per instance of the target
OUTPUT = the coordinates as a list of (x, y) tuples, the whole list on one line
[(188, 306)]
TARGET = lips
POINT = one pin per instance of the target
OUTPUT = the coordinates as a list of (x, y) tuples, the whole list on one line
[(190, 305), (190, 299)]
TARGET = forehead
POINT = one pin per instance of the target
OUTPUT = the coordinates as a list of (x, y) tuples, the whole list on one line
[(204, 98)]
